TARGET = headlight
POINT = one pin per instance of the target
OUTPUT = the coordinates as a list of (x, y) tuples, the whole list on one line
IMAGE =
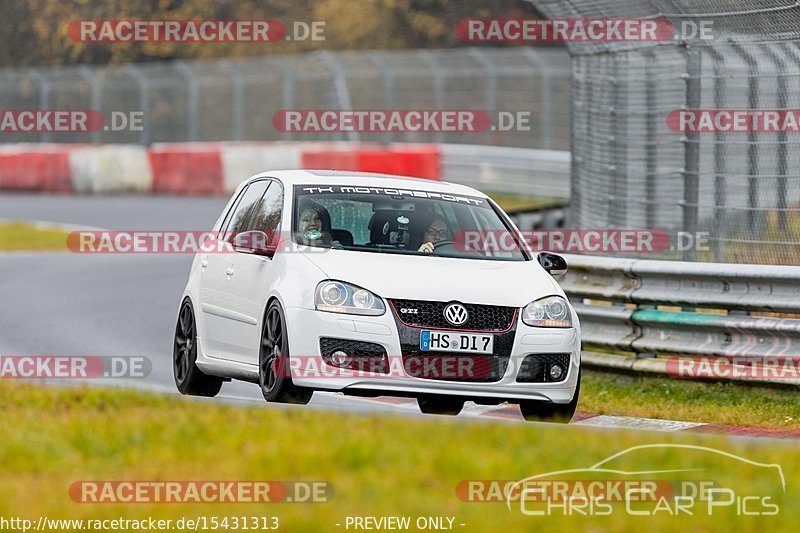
[(550, 312), (338, 297)]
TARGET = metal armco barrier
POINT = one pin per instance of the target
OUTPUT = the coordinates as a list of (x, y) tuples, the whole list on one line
[(654, 308), (542, 173)]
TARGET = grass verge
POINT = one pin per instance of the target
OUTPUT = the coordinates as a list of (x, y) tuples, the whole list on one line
[(24, 236), (378, 466), (691, 401)]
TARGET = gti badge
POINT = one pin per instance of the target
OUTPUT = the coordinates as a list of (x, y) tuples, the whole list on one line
[(456, 314)]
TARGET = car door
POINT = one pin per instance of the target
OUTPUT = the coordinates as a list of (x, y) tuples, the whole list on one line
[(249, 276), (222, 325)]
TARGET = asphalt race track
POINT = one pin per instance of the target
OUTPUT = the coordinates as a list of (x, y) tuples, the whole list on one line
[(115, 212), (117, 305), (126, 305)]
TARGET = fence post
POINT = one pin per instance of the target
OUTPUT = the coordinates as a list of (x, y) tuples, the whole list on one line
[(144, 101), (691, 153), (237, 120), (193, 91), (94, 100), (618, 216), (340, 82), (782, 103), (577, 104), (720, 163), (44, 98), (754, 224), (287, 88), (387, 75), (438, 84), (491, 86), (545, 104), (651, 150)]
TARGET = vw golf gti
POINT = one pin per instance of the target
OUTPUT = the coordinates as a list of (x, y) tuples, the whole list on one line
[(377, 285)]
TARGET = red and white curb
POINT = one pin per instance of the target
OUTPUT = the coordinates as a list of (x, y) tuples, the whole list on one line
[(613, 421)]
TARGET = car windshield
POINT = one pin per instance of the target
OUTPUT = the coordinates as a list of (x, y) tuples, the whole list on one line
[(401, 221)]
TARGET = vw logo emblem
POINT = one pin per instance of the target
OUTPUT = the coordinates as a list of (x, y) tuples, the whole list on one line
[(456, 314)]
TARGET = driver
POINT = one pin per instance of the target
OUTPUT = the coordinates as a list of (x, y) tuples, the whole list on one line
[(436, 231)]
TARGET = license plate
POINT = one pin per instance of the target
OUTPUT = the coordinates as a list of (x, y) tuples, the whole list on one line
[(449, 341)]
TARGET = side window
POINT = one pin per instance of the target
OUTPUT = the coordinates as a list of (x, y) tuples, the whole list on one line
[(226, 222), (268, 210), (244, 211)]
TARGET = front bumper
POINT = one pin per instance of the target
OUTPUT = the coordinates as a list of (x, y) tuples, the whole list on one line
[(306, 327)]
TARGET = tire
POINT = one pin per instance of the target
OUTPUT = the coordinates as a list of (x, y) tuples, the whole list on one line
[(440, 405), (188, 377), (560, 413), (273, 361)]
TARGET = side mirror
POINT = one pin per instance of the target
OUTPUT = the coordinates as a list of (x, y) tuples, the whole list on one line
[(554, 264), (254, 242)]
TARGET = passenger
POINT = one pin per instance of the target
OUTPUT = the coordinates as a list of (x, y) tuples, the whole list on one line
[(314, 225)]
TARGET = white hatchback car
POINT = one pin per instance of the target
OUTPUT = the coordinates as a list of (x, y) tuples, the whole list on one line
[(377, 285)]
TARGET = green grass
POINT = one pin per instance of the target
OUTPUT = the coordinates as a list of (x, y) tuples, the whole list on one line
[(519, 203), (385, 465), (674, 399), (23, 236)]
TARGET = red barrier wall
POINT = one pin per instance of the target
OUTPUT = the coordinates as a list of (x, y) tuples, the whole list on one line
[(46, 171), (420, 161), (187, 170), (330, 159)]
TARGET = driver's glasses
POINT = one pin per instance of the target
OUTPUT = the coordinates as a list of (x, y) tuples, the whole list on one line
[(434, 234)]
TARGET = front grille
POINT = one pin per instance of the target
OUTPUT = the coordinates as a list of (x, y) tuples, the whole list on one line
[(535, 368), (364, 356), (431, 315)]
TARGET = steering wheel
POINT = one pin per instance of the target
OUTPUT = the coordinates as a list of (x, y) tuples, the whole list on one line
[(462, 249)]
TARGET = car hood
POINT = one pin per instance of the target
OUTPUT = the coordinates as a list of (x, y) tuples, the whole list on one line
[(506, 283)]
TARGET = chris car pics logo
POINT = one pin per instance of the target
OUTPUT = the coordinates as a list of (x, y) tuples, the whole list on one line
[(654, 480)]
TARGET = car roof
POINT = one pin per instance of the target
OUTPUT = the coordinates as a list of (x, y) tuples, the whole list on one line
[(365, 179)]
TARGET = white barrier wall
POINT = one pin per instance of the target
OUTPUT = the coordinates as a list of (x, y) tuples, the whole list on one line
[(111, 168)]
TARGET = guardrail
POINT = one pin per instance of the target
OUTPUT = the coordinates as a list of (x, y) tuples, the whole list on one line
[(541, 173), (664, 308)]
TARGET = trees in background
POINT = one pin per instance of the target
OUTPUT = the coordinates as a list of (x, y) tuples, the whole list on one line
[(35, 32)]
